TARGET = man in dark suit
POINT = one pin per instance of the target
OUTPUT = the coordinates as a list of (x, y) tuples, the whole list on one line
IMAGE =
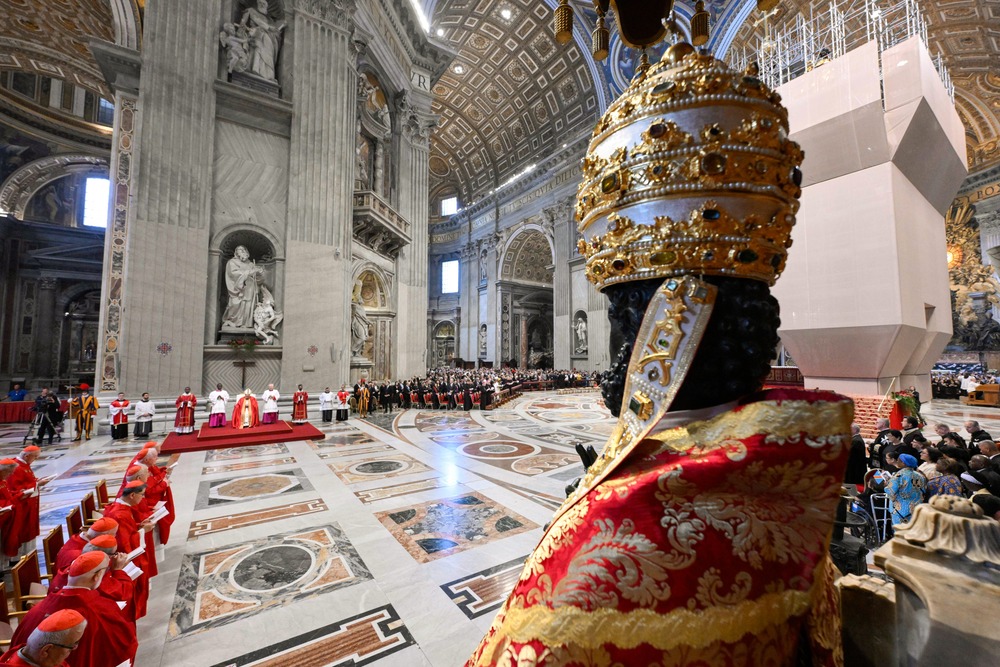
[(875, 457), (975, 434), (856, 461)]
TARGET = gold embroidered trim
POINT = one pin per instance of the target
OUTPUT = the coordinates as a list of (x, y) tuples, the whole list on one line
[(826, 423), (566, 626)]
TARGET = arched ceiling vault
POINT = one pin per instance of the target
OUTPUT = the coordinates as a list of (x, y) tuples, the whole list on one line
[(965, 32), (511, 97), (50, 37)]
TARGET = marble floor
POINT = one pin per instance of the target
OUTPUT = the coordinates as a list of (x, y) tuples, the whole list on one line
[(388, 542)]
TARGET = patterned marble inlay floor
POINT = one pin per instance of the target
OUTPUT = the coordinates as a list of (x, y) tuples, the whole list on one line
[(389, 543)]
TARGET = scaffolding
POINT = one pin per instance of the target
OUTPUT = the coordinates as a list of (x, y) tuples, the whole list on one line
[(785, 53)]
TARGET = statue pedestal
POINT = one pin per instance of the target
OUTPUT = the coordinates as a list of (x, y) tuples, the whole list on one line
[(361, 367), (254, 82), (226, 335)]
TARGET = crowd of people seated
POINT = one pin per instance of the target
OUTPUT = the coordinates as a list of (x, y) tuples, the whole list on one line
[(454, 389), (909, 469)]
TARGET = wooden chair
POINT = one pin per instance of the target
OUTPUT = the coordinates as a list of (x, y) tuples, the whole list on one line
[(74, 522), (28, 586), (101, 488), (51, 544), (6, 616), (88, 509)]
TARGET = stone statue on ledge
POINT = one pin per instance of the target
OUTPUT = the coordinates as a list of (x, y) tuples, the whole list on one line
[(252, 45), (251, 306), (361, 326)]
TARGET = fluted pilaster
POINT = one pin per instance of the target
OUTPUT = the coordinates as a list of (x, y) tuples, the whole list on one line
[(163, 305)]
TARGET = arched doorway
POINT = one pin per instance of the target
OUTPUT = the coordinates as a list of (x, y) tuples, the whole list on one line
[(443, 344), (525, 298)]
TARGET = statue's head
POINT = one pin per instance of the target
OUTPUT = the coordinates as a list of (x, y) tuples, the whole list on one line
[(242, 253), (689, 193), (262, 6)]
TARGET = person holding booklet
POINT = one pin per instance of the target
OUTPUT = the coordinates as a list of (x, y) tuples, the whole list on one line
[(158, 492), (109, 640), (139, 472), (117, 583), (132, 528), (75, 544), (23, 487)]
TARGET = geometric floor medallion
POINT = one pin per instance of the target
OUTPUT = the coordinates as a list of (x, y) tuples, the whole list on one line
[(251, 487), (228, 583)]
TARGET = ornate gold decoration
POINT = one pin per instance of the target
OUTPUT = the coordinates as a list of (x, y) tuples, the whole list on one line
[(967, 274), (563, 20), (690, 171)]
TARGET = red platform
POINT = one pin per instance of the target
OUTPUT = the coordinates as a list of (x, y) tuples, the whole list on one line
[(227, 436)]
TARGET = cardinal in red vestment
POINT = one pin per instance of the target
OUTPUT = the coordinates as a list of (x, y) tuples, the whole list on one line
[(75, 544), (110, 637), (23, 487), (50, 643), (116, 584), (132, 527), (245, 414), (7, 467)]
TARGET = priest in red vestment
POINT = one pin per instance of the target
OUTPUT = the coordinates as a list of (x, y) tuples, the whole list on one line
[(23, 487), (144, 510), (116, 584), (132, 527), (110, 637), (49, 644), (700, 535), (300, 410), (184, 419), (158, 490), (245, 414)]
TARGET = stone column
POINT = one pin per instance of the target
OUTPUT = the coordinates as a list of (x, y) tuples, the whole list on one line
[(414, 205), (116, 241), (320, 203), (523, 357), (43, 331), (468, 303), (493, 246), (167, 234)]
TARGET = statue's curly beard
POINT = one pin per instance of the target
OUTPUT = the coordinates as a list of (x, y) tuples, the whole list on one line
[(735, 353)]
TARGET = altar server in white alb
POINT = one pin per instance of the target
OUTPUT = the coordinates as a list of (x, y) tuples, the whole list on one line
[(144, 413), (217, 407), (326, 405), (270, 397)]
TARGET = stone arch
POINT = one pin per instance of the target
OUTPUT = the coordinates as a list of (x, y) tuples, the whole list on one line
[(263, 249), (127, 23), (21, 186), (526, 256), (382, 281)]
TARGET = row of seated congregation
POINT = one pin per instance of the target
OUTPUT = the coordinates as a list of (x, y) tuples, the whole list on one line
[(98, 578), (901, 468)]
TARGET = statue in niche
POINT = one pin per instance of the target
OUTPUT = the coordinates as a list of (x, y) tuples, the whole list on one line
[(482, 340), (483, 265), (252, 45), (580, 329), (265, 317), (251, 305), (361, 326), (362, 177)]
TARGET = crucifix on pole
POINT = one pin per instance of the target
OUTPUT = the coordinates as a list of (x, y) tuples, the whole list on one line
[(243, 364)]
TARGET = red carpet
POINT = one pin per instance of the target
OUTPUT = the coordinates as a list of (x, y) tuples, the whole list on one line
[(226, 436)]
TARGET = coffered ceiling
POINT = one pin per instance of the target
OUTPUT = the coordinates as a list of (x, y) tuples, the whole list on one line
[(51, 37), (510, 98)]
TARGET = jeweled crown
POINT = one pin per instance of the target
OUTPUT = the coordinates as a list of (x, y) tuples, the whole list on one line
[(690, 171)]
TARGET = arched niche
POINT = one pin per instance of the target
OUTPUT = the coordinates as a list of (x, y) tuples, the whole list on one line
[(373, 141), (579, 336), (262, 252), (528, 257), (78, 343), (29, 180), (372, 322), (443, 344)]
